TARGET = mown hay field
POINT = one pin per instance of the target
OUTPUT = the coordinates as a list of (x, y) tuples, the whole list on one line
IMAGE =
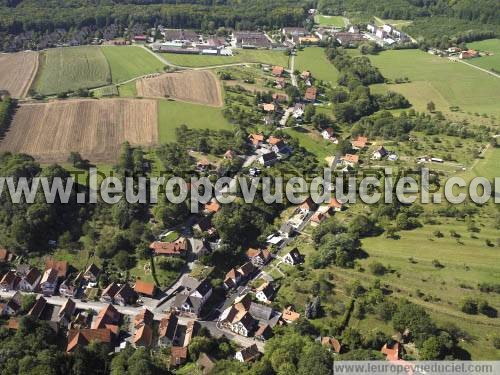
[(439, 79), (17, 71), (127, 62), (314, 59), (195, 86), (94, 128), (71, 68)]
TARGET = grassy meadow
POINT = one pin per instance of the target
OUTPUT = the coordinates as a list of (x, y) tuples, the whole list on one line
[(240, 56), (314, 60), (438, 79), (173, 114), (71, 68), (487, 62), (127, 62), (313, 142), (335, 21)]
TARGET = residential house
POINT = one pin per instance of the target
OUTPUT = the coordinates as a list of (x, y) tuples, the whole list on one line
[(392, 351), (268, 159), (205, 363), (5, 255), (177, 248), (279, 98), (258, 257), (145, 288), (61, 266), (305, 75), (71, 286), (256, 140), (328, 134), (308, 206), (311, 93), (237, 317), (260, 312), (318, 217), (469, 54), (37, 309), (213, 206), (335, 205), (248, 354), (293, 257), (9, 281), (166, 330), (30, 280), (145, 317), (232, 279), (281, 148), (48, 282), (277, 71), (12, 306), (178, 356), (204, 225), (289, 315), (286, 229), (309, 39), (350, 160), (379, 153), (359, 143), (108, 294), (66, 312), (230, 154), (298, 110), (194, 296), (82, 337), (265, 293), (332, 344), (268, 107), (264, 332), (92, 273), (108, 317), (143, 336), (125, 296), (280, 83)]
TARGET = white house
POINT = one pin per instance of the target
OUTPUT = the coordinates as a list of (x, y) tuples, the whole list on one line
[(30, 281), (293, 257), (248, 354), (379, 153), (49, 281), (265, 293)]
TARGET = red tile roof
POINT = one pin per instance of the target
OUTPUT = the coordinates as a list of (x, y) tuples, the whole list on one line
[(61, 266), (311, 93), (143, 287), (177, 247), (82, 337)]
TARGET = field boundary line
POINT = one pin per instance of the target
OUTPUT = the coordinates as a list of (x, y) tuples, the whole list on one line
[(479, 68)]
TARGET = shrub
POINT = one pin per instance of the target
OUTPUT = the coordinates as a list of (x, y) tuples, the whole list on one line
[(377, 269), (469, 306)]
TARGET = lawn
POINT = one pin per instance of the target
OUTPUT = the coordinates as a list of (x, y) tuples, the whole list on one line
[(395, 23), (127, 62), (314, 60), (487, 62), (312, 142), (71, 68), (335, 21), (240, 56), (172, 114), (438, 79)]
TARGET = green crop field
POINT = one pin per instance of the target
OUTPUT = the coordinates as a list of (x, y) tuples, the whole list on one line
[(71, 68), (127, 62), (438, 79), (240, 56), (314, 60), (128, 90), (487, 62), (172, 114), (336, 21)]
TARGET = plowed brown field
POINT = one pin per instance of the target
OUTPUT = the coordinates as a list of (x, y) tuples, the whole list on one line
[(17, 71), (95, 128), (195, 86)]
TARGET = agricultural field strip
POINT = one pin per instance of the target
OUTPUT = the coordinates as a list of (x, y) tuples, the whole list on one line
[(17, 72), (50, 131)]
